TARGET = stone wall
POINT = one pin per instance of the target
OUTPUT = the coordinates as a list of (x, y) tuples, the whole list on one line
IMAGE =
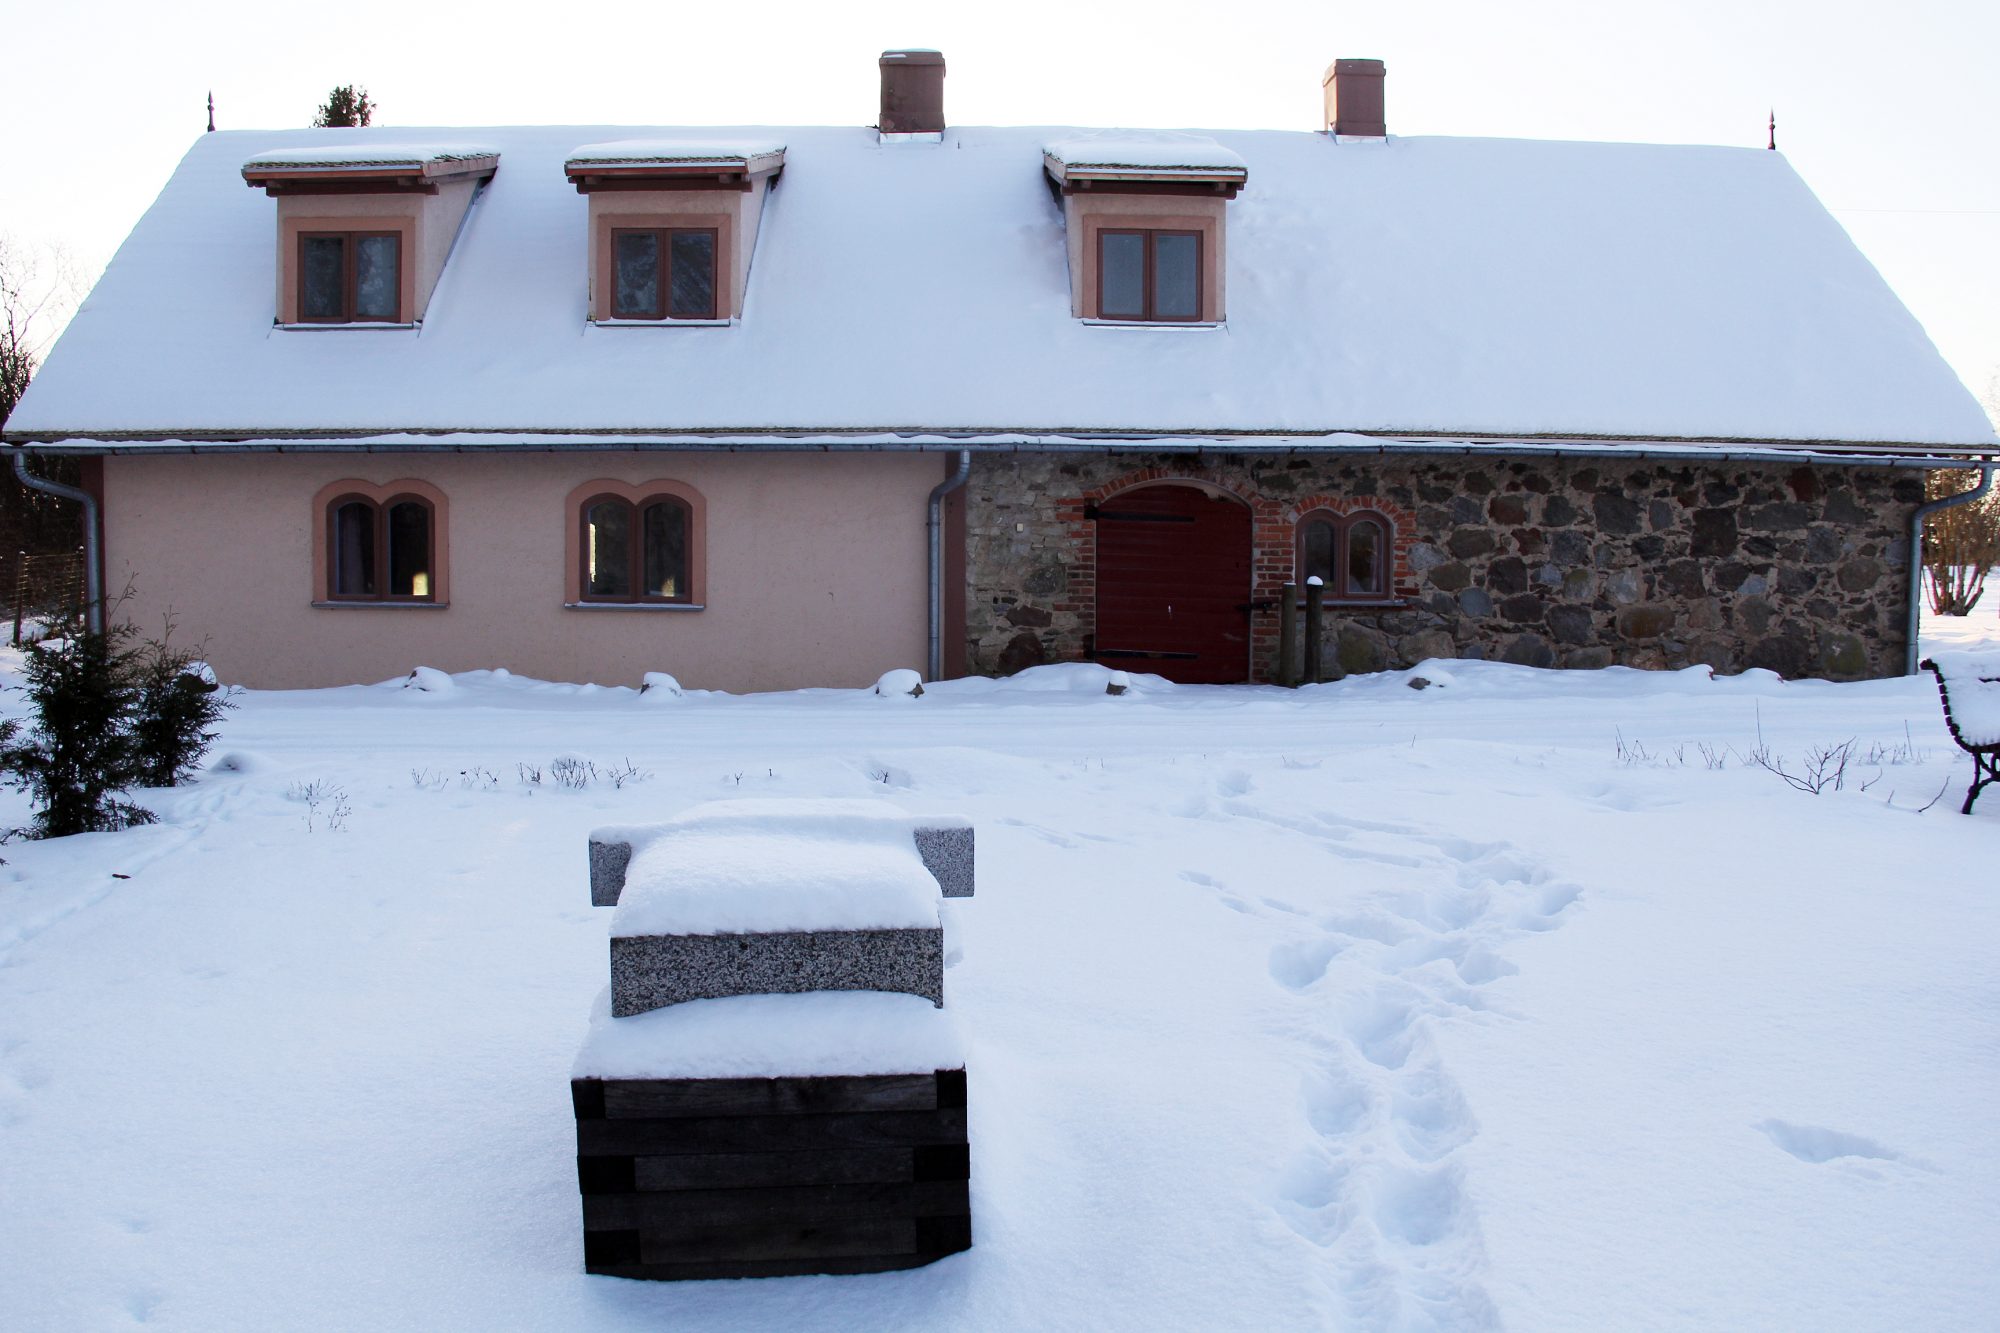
[(1547, 562)]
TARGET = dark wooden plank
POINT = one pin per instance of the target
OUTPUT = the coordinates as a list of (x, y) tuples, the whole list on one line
[(645, 1099), (851, 1166), (801, 1204), (941, 1161), (950, 1087), (768, 1133), (605, 1175), (852, 1238), (936, 1235), (586, 1095), (712, 1269)]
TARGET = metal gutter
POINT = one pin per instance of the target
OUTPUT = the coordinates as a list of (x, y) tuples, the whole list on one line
[(1924, 511), (1009, 443), (93, 555), (934, 527)]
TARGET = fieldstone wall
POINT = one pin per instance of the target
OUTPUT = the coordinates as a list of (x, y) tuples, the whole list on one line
[(1544, 562)]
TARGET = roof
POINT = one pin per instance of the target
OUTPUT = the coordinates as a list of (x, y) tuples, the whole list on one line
[(1424, 286)]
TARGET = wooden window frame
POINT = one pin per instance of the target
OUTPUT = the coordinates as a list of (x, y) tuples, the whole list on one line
[(664, 310), (635, 557), (379, 529), (1336, 578), (350, 275), (1151, 237)]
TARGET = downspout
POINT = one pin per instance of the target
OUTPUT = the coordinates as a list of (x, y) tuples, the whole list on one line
[(93, 555), (1917, 553), (936, 533)]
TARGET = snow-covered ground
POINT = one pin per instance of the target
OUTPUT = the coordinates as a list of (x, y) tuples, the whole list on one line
[(1521, 999)]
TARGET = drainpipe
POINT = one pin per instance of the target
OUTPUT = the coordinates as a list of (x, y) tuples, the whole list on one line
[(1917, 553), (935, 528), (93, 555)]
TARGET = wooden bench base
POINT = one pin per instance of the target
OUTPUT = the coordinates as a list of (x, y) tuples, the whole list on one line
[(725, 1178)]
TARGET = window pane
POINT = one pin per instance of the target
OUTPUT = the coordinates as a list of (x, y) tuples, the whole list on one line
[(354, 549), (666, 550), (1316, 552), (375, 276), (636, 280), (1364, 565), (1176, 275), (693, 275), (409, 550), (1121, 257), (607, 549), (323, 278)]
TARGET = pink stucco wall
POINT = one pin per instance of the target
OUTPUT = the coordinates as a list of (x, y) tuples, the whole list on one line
[(814, 568)]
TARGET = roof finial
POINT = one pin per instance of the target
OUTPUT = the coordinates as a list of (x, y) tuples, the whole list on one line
[(211, 110), (1772, 144)]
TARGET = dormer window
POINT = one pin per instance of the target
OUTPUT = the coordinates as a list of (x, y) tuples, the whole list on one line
[(663, 272), (1148, 274), (672, 226), (1145, 215), (364, 227), (350, 277)]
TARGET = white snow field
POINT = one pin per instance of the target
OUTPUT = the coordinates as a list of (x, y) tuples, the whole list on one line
[(1495, 1003)]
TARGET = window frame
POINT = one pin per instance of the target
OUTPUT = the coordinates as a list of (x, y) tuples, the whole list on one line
[(380, 498), (1148, 276), (665, 233), (350, 275), (636, 500), (378, 528), (1336, 578)]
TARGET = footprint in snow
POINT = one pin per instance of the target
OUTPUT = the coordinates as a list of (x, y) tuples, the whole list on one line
[(1811, 1143)]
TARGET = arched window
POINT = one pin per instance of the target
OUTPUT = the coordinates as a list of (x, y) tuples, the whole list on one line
[(1348, 553), (636, 550), (380, 550)]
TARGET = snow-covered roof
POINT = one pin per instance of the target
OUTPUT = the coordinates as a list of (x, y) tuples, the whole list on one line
[(369, 154), (1430, 286), (1158, 151), (676, 152)]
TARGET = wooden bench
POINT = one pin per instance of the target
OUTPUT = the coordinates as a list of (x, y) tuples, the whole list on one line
[(1975, 726)]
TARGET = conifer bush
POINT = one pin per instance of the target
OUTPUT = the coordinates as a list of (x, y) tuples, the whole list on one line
[(77, 756), (107, 713)]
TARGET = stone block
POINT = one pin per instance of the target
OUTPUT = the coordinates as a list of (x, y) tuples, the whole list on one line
[(947, 851), (653, 971)]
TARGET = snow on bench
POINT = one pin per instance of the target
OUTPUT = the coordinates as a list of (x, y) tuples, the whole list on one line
[(1969, 689), (943, 842), (778, 897)]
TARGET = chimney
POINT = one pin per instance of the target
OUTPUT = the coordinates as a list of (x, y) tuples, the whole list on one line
[(1353, 98), (912, 93)]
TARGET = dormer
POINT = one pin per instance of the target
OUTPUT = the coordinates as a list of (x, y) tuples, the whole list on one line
[(1144, 214), (672, 226), (364, 228)]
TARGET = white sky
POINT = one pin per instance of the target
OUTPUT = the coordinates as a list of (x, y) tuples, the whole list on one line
[(1890, 118)]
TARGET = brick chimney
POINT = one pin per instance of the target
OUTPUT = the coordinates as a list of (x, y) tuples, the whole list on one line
[(912, 93), (1353, 91)]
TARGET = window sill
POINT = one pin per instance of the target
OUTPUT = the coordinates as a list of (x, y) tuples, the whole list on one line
[(1181, 325), (370, 325), (358, 605), (634, 606), (1360, 603), (661, 323)]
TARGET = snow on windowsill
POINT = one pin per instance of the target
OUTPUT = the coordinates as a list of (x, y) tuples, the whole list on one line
[(634, 606), (1156, 323), (380, 606), (413, 326), (659, 323)]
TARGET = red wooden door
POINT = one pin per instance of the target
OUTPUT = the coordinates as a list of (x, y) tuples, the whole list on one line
[(1173, 584)]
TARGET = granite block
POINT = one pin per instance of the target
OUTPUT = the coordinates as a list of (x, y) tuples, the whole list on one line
[(653, 971)]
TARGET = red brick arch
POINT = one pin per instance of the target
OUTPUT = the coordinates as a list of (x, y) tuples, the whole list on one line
[(1274, 538)]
